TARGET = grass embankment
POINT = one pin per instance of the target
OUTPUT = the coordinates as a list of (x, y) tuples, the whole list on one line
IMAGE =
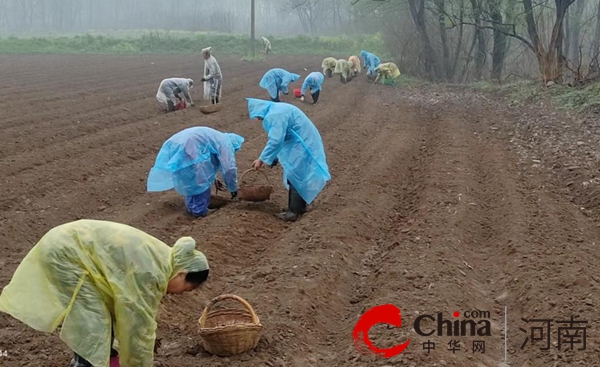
[(580, 99), (180, 42)]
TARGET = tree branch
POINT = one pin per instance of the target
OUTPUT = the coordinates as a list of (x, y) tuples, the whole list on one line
[(514, 35)]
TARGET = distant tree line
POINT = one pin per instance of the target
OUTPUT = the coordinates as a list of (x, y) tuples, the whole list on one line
[(471, 40)]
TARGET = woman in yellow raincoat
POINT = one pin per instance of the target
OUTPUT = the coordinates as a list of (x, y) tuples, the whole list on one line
[(328, 66), (389, 71), (96, 278), (344, 69), (355, 64)]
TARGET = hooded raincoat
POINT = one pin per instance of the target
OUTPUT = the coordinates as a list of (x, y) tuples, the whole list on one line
[(190, 160), (344, 68), (296, 143), (88, 275), (276, 80), (212, 76), (388, 70), (168, 86), (328, 64), (355, 64), (313, 82), (370, 60), (266, 45)]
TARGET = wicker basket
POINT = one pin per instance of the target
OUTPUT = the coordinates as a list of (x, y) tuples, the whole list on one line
[(211, 108), (255, 193), (228, 332)]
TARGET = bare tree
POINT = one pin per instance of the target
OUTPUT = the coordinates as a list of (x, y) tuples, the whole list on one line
[(596, 43), (417, 11)]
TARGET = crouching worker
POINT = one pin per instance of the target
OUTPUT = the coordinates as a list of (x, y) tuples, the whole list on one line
[(189, 162), (328, 66), (370, 62), (170, 91), (354, 65), (99, 280), (296, 144), (277, 80), (344, 69), (313, 82), (388, 72)]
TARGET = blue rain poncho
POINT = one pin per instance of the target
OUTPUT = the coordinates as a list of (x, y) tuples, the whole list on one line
[(189, 161), (296, 143), (313, 81), (276, 80), (370, 60)]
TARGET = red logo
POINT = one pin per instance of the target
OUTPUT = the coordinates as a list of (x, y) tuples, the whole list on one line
[(384, 314)]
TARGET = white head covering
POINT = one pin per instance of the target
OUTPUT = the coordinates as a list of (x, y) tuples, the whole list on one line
[(207, 50)]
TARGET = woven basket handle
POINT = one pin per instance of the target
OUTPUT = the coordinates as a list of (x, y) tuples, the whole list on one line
[(253, 170), (220, 298)]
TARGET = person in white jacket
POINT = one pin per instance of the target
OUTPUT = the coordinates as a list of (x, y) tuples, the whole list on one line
[(213, 79)]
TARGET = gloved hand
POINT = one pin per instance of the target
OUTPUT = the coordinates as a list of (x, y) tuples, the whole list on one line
[(275, 162), (202, 80)]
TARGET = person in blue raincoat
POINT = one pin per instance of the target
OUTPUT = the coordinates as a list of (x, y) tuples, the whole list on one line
[(313, 82), (296, 144), (189, 162), (370, 62), (277, 80)]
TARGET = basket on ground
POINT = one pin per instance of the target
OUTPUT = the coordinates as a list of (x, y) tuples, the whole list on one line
[(298, 93), (255, 193), (227, 332), (211, 108)]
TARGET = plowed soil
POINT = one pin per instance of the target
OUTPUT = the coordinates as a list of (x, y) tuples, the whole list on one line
[(430, 208)]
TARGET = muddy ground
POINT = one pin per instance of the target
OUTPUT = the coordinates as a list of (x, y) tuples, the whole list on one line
[(440, 201)]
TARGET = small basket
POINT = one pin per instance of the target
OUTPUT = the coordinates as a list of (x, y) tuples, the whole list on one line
[(298, 93), (229, 331), (211, 108), (255, 193)]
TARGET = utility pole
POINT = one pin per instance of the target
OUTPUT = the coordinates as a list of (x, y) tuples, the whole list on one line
[(252, 29)]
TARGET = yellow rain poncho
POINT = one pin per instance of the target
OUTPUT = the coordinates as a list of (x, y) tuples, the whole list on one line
[(328, 65), (344, 68), (389, 70), (355, 64), (88, 274)]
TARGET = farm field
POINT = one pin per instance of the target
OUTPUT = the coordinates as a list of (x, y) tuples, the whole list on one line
[(429, 208)]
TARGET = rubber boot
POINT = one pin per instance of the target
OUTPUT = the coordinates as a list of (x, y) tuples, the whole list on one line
[(296, 206), (170, 106)]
